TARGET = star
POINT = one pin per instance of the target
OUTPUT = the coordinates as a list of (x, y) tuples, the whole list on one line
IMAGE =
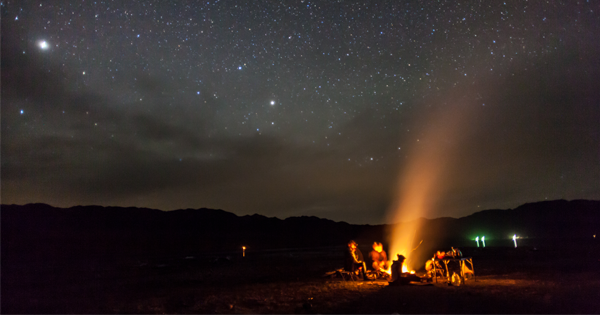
[(43, 45), (148, 89)]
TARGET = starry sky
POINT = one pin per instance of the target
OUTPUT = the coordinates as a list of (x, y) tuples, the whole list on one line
[(290, 108)]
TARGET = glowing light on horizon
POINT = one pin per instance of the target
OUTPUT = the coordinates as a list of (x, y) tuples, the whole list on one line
[(483, 240), (477, 240), (515, 240)]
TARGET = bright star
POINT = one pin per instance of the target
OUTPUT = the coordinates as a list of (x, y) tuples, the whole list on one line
[(272, 102), (43, 45)]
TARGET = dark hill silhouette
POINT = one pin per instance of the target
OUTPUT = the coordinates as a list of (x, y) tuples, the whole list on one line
[(42, 232), (546, 219)]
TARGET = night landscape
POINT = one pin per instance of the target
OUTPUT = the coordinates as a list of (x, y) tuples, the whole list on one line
[(242, 157)]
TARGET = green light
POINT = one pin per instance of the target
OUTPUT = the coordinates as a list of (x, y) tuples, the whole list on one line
[(483, 240), (477, 240)]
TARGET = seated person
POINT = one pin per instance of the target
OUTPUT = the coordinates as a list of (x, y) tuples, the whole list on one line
[(433, 265), (354, 259), (379, 257)]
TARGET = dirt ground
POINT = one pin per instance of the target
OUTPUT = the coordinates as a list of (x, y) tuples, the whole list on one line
[(508, 280)]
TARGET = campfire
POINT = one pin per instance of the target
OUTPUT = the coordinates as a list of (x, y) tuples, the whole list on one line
[(396, 272), (404, 270)]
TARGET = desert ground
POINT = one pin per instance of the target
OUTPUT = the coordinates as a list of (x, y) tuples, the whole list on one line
[(558, 277)]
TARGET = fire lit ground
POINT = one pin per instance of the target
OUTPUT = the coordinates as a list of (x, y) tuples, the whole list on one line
[(557, 277)]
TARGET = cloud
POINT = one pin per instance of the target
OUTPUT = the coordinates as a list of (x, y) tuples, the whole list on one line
[(86, 148), (537, 135)]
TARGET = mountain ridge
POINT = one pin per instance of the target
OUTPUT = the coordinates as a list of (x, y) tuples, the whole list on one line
[(40, 231)]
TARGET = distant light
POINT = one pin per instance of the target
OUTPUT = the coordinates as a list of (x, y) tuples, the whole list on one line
[(483, 240), (24, 112), (477, 240), (240, 68), (515, 240), (198, 92), (43, 45), (272, 103)]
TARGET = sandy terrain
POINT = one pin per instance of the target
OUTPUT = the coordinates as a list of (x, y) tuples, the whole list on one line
[(548, 280)]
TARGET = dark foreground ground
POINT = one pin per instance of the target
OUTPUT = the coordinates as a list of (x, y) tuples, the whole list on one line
[(553, 279)]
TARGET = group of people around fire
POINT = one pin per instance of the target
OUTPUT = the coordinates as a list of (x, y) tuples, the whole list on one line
[(355, 261)]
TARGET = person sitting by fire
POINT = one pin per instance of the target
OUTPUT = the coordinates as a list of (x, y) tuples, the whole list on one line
[(355, 260), (379, 257), (451, 255)]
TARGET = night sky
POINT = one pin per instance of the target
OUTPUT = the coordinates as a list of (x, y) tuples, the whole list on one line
[(293, 108)]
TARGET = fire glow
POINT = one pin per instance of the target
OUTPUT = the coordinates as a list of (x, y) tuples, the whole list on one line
[(425, 178)]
